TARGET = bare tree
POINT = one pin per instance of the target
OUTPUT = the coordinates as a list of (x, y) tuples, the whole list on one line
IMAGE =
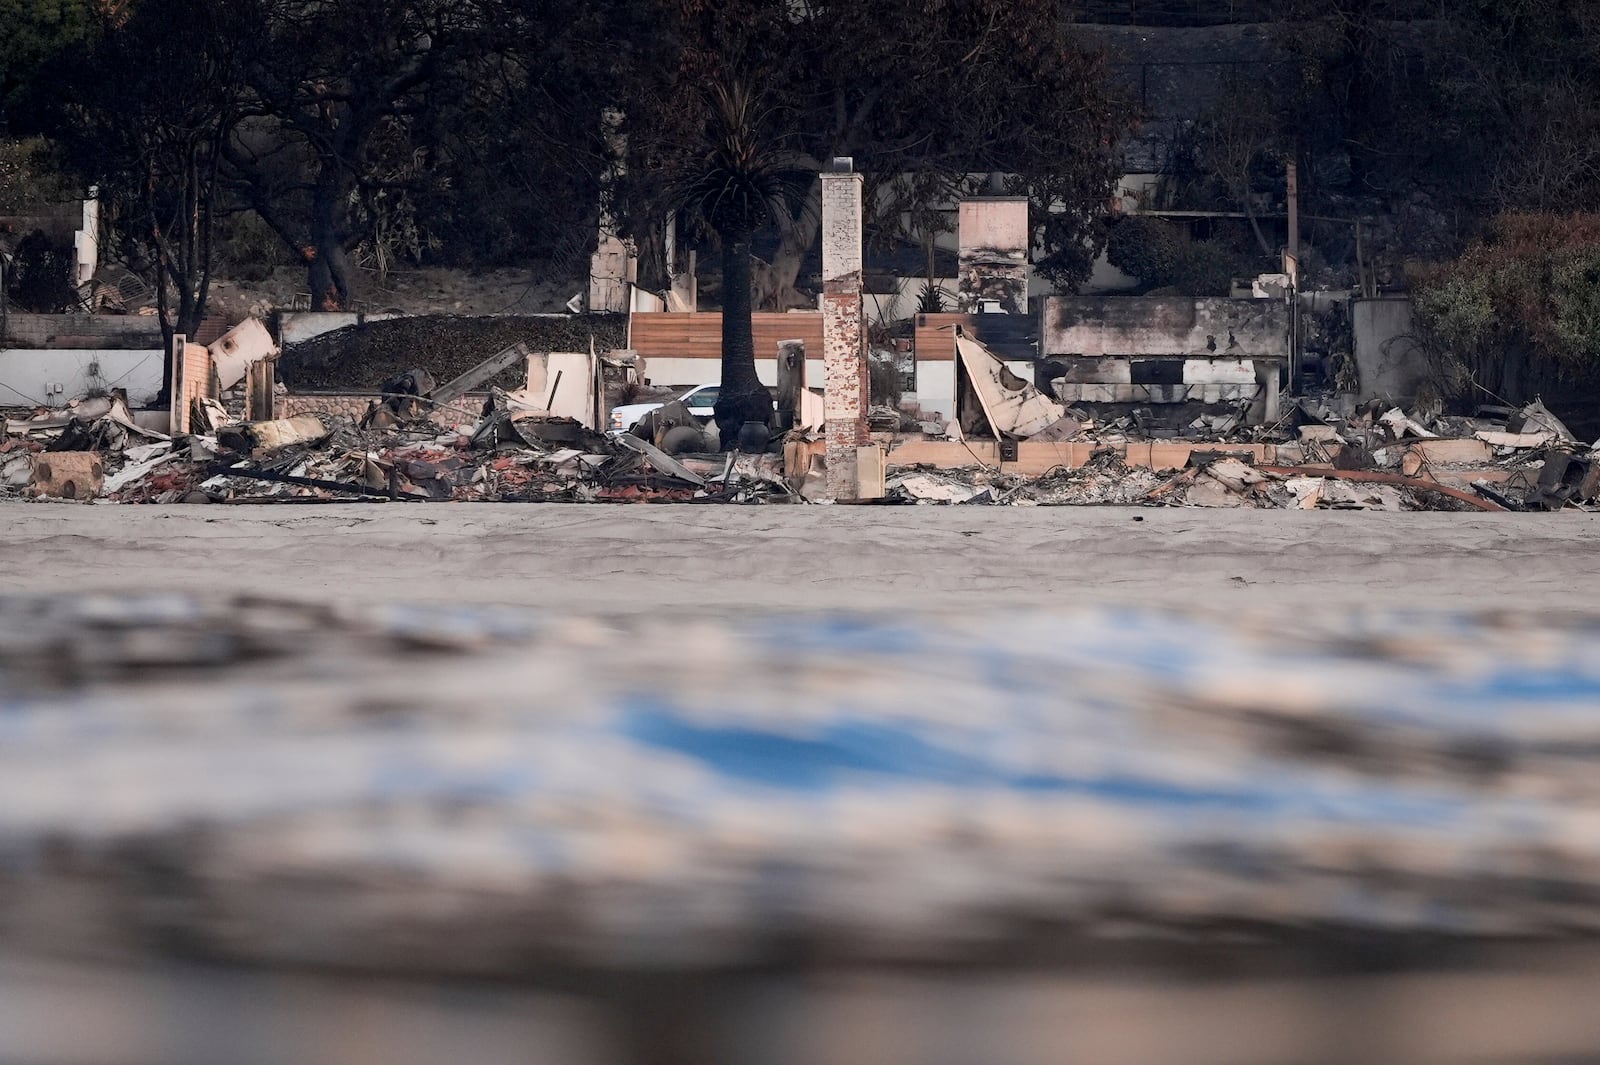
[(336, 132), (1239, 134), (143, 117), (925, 88)]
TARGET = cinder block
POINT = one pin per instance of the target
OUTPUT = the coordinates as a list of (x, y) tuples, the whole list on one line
[(1166, 393), (1462, 452), (68, 474)]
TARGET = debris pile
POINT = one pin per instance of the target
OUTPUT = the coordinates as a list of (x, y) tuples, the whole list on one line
[(1105, 479), (508, 455), (222, 441), (1326, 453), (57, 453), (1498, 458), (1233, 482)]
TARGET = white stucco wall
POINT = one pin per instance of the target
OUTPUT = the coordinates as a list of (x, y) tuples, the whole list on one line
[(936, 387), (50, 377)]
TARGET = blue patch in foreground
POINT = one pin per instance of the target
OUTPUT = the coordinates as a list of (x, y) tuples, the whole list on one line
[(853, 749)]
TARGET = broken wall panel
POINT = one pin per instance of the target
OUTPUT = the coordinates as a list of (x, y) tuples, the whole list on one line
[(239, 348), (1013, 337), (1187, 356), (1011, 406), (1217, 327), (477, 375), (566, 385)]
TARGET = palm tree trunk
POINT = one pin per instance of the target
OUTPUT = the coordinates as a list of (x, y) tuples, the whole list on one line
[(743, 398)]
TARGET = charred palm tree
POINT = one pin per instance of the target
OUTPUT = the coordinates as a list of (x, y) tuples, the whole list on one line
[(734, 188)]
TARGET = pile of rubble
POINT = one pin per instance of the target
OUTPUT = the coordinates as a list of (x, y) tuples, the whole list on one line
[(1372, 457), (220, 441), (1326, 451), (1105, 479), (94, 450), (1213, 481), (1232, 482), (1378, 457)]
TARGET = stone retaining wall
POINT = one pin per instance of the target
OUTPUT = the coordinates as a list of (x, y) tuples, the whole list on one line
[(464, 411)]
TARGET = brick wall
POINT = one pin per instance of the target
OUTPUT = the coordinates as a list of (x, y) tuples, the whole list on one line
[(844, 350), (194, 377)]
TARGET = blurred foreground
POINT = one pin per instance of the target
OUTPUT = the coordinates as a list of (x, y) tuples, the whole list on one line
[(237, 828)]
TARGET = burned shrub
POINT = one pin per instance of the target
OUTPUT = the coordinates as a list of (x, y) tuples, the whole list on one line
[(40, 277)]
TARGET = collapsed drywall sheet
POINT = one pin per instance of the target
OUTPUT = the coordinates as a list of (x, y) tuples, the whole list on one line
[(1013, 406), (239, 348)]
